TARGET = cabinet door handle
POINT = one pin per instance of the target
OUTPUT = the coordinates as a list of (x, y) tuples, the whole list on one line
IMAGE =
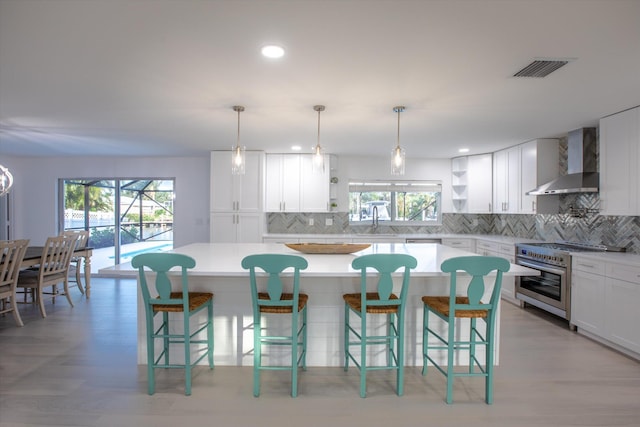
[(581, 264), (533, 206)]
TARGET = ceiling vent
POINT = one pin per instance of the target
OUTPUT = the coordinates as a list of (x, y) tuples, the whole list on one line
[(541, 67)]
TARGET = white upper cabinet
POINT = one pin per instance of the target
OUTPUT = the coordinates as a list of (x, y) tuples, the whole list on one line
[(236, 193), (292, 186), (619, 163), (471, 183), (539, 164), (314, 186), (506, 180), (520, 169), (479, 186), (282, 183)]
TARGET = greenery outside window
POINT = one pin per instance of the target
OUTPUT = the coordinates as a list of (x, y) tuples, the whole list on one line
[(396, 203)]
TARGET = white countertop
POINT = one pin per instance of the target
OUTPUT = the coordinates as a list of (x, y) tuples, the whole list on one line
[(224, 259)]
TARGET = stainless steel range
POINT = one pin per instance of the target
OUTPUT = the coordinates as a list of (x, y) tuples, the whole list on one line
[(551, 291)]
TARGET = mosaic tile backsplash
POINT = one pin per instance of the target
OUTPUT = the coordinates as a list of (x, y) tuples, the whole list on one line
[(623, 231)]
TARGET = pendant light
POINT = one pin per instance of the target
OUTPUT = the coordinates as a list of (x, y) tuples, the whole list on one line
[(398, 154), (6, 180), (317, 164), (238, 154)]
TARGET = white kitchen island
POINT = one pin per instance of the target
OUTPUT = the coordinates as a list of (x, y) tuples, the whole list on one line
[(327, 277)]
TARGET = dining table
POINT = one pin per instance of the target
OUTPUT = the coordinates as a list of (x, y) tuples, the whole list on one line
[(34, 253)]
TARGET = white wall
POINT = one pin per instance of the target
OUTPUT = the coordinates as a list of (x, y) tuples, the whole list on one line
[(34, 193), (362, 167), (34, 204)]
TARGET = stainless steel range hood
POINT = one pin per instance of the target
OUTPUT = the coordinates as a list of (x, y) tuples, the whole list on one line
[(582, 176)]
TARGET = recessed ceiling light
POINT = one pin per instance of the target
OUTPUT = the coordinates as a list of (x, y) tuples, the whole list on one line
[(296, 147), (463, 150), (272, 51)]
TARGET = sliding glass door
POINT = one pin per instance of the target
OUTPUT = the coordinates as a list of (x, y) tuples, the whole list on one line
[(124, 216)]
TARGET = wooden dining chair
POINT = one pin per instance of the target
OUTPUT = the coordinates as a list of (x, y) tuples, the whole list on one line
[(76, 261), (51, 271), (11, 256), (465, 302), (270, 298), (376, 298)]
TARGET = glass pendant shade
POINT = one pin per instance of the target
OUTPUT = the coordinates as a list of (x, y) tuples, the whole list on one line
[(317, 164), (397, 161), (398, 154), (238, 159), (6, 180)]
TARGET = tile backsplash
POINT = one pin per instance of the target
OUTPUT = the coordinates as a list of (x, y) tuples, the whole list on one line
[(623, 231)]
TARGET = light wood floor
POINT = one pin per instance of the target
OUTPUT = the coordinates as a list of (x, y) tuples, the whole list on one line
[(78, 367)]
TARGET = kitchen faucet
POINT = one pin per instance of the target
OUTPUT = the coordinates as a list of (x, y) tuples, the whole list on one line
[(374, 221)]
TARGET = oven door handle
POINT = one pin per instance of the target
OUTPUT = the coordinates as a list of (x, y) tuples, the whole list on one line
[(537, 266)]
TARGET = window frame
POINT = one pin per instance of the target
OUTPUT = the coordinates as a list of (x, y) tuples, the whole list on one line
[(395, 189)]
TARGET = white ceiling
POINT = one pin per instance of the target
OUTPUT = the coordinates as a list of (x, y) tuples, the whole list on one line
[(160, 77)]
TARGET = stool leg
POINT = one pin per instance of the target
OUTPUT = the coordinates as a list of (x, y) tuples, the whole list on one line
[(304, 338), (425, 338), (400, 355), (210, 341), (450, 350), (187, 355), (489, 365), (346, 337), (257, 343), (165, 332), (151, 381), (472, 345), (363, 354), (294, 352)]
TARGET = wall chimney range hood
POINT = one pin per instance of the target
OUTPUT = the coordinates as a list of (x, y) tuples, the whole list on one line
[(582, 171)]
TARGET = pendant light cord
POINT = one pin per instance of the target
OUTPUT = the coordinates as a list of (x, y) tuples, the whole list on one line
[(318, 143), (398, 136)]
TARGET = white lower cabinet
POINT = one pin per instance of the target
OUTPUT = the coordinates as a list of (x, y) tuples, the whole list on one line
[(622, 300), (233, 227), (506, 251), (460, 243), (605, 297), (587, 295)]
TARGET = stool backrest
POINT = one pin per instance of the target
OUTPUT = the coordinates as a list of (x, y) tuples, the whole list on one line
[(477, 267), (161, 263), (385, 265), (274, 265)]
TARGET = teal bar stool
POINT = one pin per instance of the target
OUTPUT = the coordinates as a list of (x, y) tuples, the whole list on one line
[(161, 299), (465, 305), (382, 301), (273, 300)]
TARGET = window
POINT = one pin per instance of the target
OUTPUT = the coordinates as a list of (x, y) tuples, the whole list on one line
[(124, 216), (417, 202)]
